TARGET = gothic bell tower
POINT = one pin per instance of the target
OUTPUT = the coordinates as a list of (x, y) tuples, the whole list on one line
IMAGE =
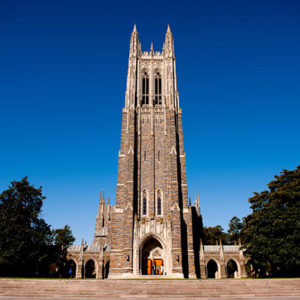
[(151, 224)]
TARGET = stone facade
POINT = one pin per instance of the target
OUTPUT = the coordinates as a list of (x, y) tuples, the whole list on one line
[(152, 228)]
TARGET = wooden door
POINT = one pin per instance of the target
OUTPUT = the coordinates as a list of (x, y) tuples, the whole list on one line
[(158, 263), (149, 267)]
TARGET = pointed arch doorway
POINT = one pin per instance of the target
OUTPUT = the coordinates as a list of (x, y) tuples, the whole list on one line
[(152, 257)]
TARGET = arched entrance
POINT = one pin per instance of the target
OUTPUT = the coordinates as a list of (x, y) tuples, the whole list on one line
[(90, 271), (212, 269), (71, 269), (232, 269), (152, 259)]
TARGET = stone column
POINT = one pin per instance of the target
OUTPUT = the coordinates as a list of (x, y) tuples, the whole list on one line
[(79, 270), (222, 272), (243, 270), (135, 261), (203, 270), (99, 274)]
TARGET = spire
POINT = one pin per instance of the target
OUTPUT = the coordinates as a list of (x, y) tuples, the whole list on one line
[(221, 250), (151, 47), (103, 199), (108, 208), (100, 211), (168, 47), (196, 199), (134, 42), (100, 201)]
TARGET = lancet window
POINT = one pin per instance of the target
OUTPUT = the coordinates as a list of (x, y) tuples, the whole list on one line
[(159, 210), (145, 88), (157, 96), (144, 206)]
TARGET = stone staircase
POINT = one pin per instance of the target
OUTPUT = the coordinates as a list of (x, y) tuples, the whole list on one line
[(155, 289)]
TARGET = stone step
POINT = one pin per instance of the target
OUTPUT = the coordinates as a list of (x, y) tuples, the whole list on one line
[(91, 289)]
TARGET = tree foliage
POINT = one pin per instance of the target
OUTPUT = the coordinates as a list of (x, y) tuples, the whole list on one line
[(272, 231), (213, 235), (63, 238), (27, 244), (24, 234), (235, 229)]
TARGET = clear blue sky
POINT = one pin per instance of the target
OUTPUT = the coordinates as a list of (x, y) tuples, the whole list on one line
[(63, 71)]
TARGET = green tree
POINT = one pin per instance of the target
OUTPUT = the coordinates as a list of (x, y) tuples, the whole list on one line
[(63, 238), (235, 228), (25, 236), (272, 231), (213, 235)]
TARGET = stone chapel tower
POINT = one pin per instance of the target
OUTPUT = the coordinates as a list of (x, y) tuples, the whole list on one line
[(153, 228), (151, 223)]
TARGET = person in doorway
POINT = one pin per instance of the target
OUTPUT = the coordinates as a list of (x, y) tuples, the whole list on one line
[(162, 269)]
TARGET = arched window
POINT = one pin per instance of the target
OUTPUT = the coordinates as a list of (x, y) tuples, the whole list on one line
[(145, 156), (157, 96), (144, 210), (158, 155), (145, 89), (159, 212)]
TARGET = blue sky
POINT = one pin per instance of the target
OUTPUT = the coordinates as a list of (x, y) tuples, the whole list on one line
[(63, 71)]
